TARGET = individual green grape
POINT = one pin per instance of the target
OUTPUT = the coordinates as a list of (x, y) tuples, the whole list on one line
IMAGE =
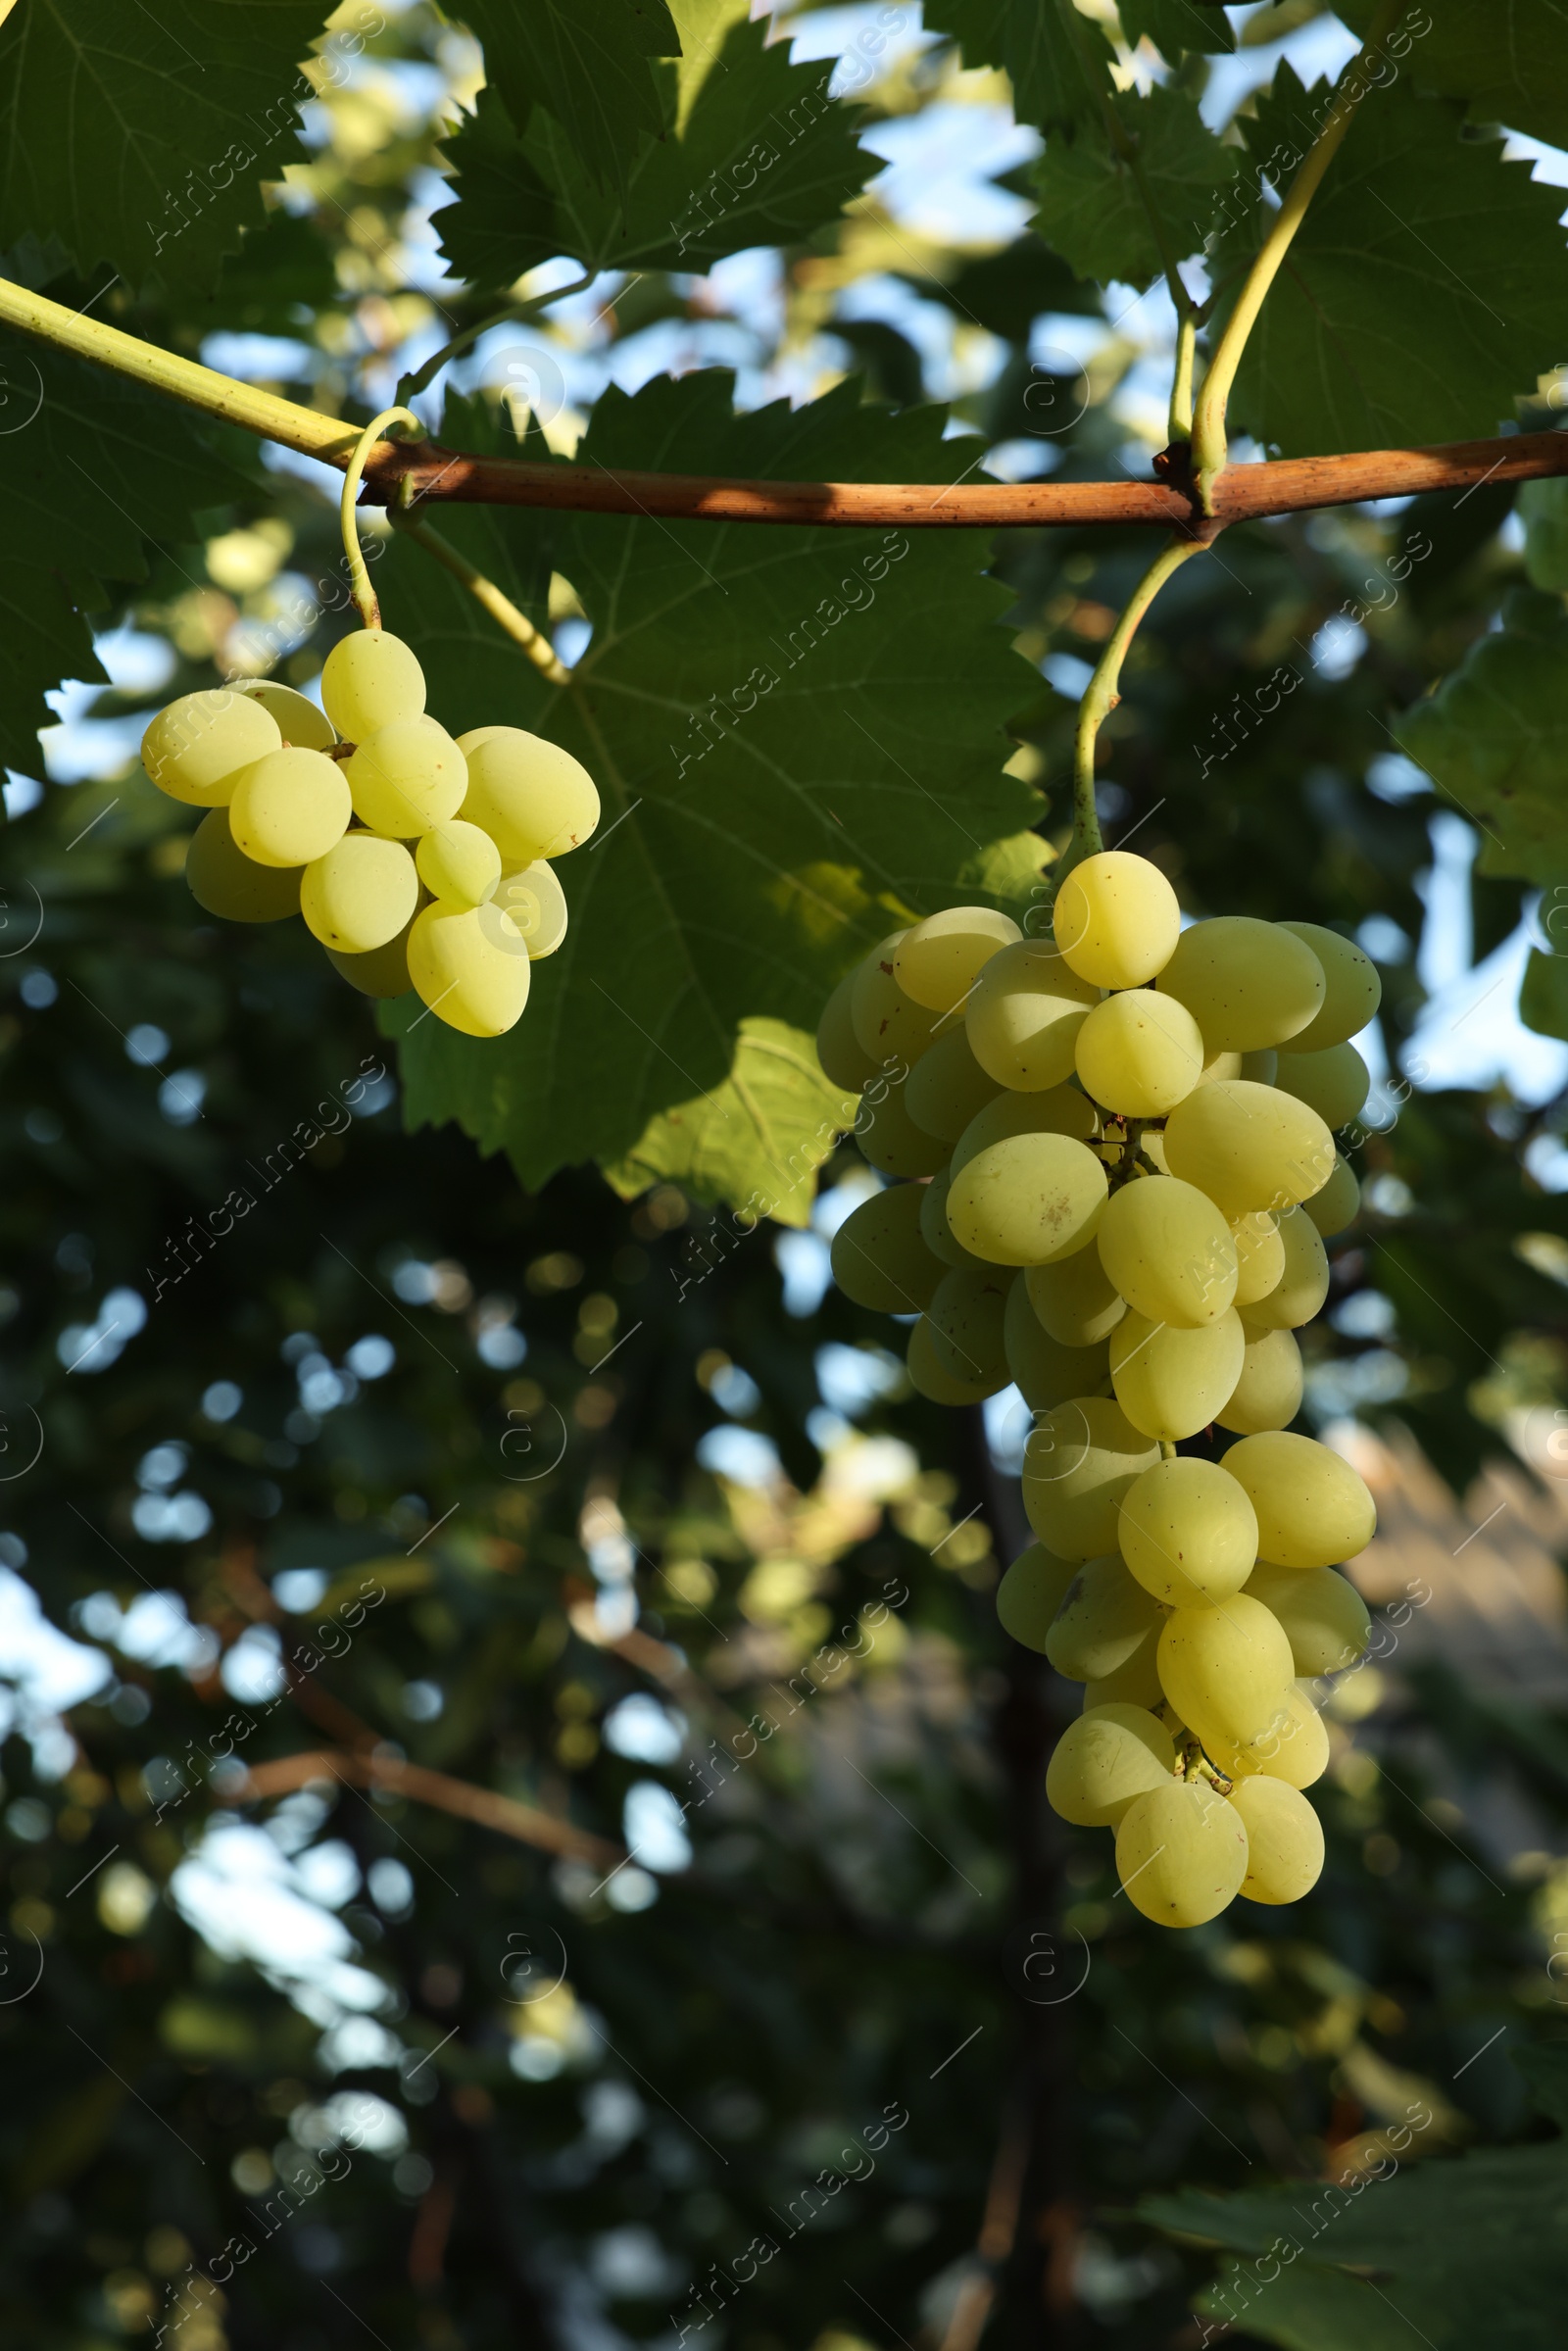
[(1259, 1256), (1104, 1616), (406, 778), (938, 1234), (1025, 1016), (534, 904), (1303, 1282), (1267, 1393), (289, 808), (1260, 1068), (197, 748), (1247, 984), (1075, 1298), (947, 1086), (1028, 1200), (1333, 1083), (1312, 1508), (1181, 1853), (1138, 1054), (965, 1318), (224, 881), (1060, 1111), (888, 1136), (887, 1023), (1081, 1458), (1116, 920), (1226, 1669), (301, 725), (1135, 1684), (929, 1375), (1294, 1747), (1170, 1383), (1353, 987), (463, 976), (370, 680), (1104, 1759), (1219, 1065), (1249, 1147), (1284, 1839), (459, 864), (383, 972), (1338, 1204), (844, 1059), (363, 892), (1151, 1145), (1325, 1617), (1030, 1594), (939, 959), (1169, 1251), (1187, 1533), (1046, 1372), (878, 1257), (533, 799)]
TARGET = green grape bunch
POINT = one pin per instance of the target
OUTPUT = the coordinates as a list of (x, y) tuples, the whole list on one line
[(1113, 1170), (418, 861)]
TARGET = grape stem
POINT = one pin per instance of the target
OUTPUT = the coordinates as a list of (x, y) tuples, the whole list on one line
[(1100, 697), (365, 595), (501, 609), (513, 314)]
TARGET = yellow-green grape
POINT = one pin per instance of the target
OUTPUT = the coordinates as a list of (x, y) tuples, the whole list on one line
[(1284, 1839), (289, 808), (1325, 1617), (1267, 1393), (406, 777), (1334, 1082), (535, 906), (1294, 1747), (370, 680), (1187, 1533), (1226, 1669), (1249, 1147), (1104, 1616), (1169, 1383), (1303, 1282), (1116, 920), (1354, 987), (1138, 1054), (224, 881), (532, 797), (1060, 1111), (1030, 1594), (1313, 1509), (939, 1235), (1104, 1759), (1169, 1251), (465, 977), (965, 1318), (947, 1086), (844, 1059), (889, 1137), (1181, 1853), (459, 863), (298, 720), (1027, 1201), (1075, 1298), (1246, 984), (1025, 1013), (1220, 1066), (1259, 1256), (1337, 1204), (1135, 1684), (887, 1023), (939, 960), (1152, 1144), (1079, 1462), (1260, 1068), (878, 1257), (929, 1375), (363, 892), (195, 750), (383, 972), (1045, 1372)]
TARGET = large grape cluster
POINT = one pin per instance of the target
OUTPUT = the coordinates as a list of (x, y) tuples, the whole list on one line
[(1115, 1162), (417, 862)]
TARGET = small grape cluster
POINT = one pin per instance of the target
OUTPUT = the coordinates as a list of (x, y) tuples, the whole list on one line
[(417, 862), (1115, 1167)]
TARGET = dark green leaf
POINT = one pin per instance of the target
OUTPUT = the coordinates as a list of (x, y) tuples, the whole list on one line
[(1005, 292), (1176, 25), (1544, 510), (1093, 209), (587, 60), (1544, 991), (1057, 61), (1507, 58)]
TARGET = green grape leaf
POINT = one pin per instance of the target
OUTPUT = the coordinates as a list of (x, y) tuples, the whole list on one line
[(750, 151), (1543, 508), (1506, 58), (1543, 989), (1494, 738), (587, 62), (140, 137), (1176, 25), (1422, 294), (1091, 208), (1005, 292), (1057, 61), (798, 737)]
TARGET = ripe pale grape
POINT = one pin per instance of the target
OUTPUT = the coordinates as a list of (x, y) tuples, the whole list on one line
[(940, 1236), (888, 1024), (1267, 1393), (1247, 984), (844, 1059), (1284, 1839), (1168, 1250), (1312, 1508), (1030, 1594), (535, 907), (1046, 1372), (1259, 1256), (947, 1086), (1138, 1054), (1333, 1082), (939, 959), (361, 894), (1294, 1747), (1104, 1759), (878, 1257), (1181, 1853), (1248, 1147), (466, 980), (1337, 1204), (1324, 1616), (532, 797), (929, 1375), (289, 808), (1220, 1066), (1025, 1013), (383, 972), (1226, 1669), (1058, 1110), (224, 881), (196, 747), (1187, 1533), (965, 1317), (1105, 1614), (1116, 920), (1303, 1282), (1260, 1068), (1135, 1684), (1171, 1383), (1075, 1298), (1027, 1201), (406, 777), (1352, 989), (1079, 1462), (459, 863), (370, 680), (889, 1137), (297, 719)]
